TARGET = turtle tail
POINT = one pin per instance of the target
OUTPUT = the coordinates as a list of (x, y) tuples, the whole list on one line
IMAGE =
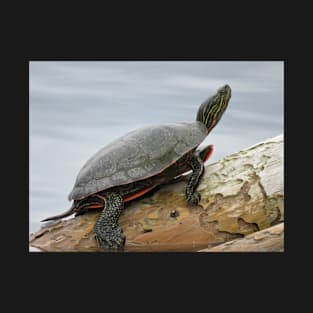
[(70, 211)]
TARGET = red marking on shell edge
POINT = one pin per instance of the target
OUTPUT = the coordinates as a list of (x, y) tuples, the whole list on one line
[(209, 153), (94, 206), (138, 194), (143, 178)]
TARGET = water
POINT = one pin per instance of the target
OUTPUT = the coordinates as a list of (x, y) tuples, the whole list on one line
[(78, 107)]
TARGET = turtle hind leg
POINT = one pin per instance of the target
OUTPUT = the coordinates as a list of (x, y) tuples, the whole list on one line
[(193, 196), (108, 232)]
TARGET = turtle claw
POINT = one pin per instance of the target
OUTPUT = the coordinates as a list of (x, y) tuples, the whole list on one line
[(110, 238), (194, 199)]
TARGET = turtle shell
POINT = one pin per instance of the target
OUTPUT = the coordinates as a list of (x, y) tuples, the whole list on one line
[(139, 154)]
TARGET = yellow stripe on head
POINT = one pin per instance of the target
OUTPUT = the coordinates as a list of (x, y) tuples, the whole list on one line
[(211, 110)]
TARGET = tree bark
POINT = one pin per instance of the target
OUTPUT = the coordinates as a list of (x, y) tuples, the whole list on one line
[(267, 240), (241, 194)]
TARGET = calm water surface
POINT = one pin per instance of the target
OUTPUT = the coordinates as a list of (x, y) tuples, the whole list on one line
[(78, 107)]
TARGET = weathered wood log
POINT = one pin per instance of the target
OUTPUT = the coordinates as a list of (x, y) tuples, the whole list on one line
[(267, 240), (241, 194)]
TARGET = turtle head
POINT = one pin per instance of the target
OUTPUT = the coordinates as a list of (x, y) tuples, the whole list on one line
[(212, 109)]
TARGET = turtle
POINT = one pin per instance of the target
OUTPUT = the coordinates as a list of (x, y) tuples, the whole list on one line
[(138, 162)]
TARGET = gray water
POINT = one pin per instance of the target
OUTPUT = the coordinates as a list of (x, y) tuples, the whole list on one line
[(78, 107)]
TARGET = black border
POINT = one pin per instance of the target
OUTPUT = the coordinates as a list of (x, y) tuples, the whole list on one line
[(256, 31)]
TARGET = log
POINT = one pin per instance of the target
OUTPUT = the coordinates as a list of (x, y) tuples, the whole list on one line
[(241, 194), (267, 240)]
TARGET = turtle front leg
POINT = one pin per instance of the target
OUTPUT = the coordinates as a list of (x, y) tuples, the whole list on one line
[(196, 164), (108, 232)]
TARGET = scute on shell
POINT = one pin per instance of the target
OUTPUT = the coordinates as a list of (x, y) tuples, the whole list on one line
[(139, 154)]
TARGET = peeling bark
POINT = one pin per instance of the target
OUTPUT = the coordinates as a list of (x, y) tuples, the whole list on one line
[(241, 194), (267, 240)]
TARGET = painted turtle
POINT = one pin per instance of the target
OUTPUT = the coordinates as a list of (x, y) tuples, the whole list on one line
[(139, 161)]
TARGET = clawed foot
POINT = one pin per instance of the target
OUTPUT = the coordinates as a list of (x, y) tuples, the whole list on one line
[(194, 199), (109, 237)]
